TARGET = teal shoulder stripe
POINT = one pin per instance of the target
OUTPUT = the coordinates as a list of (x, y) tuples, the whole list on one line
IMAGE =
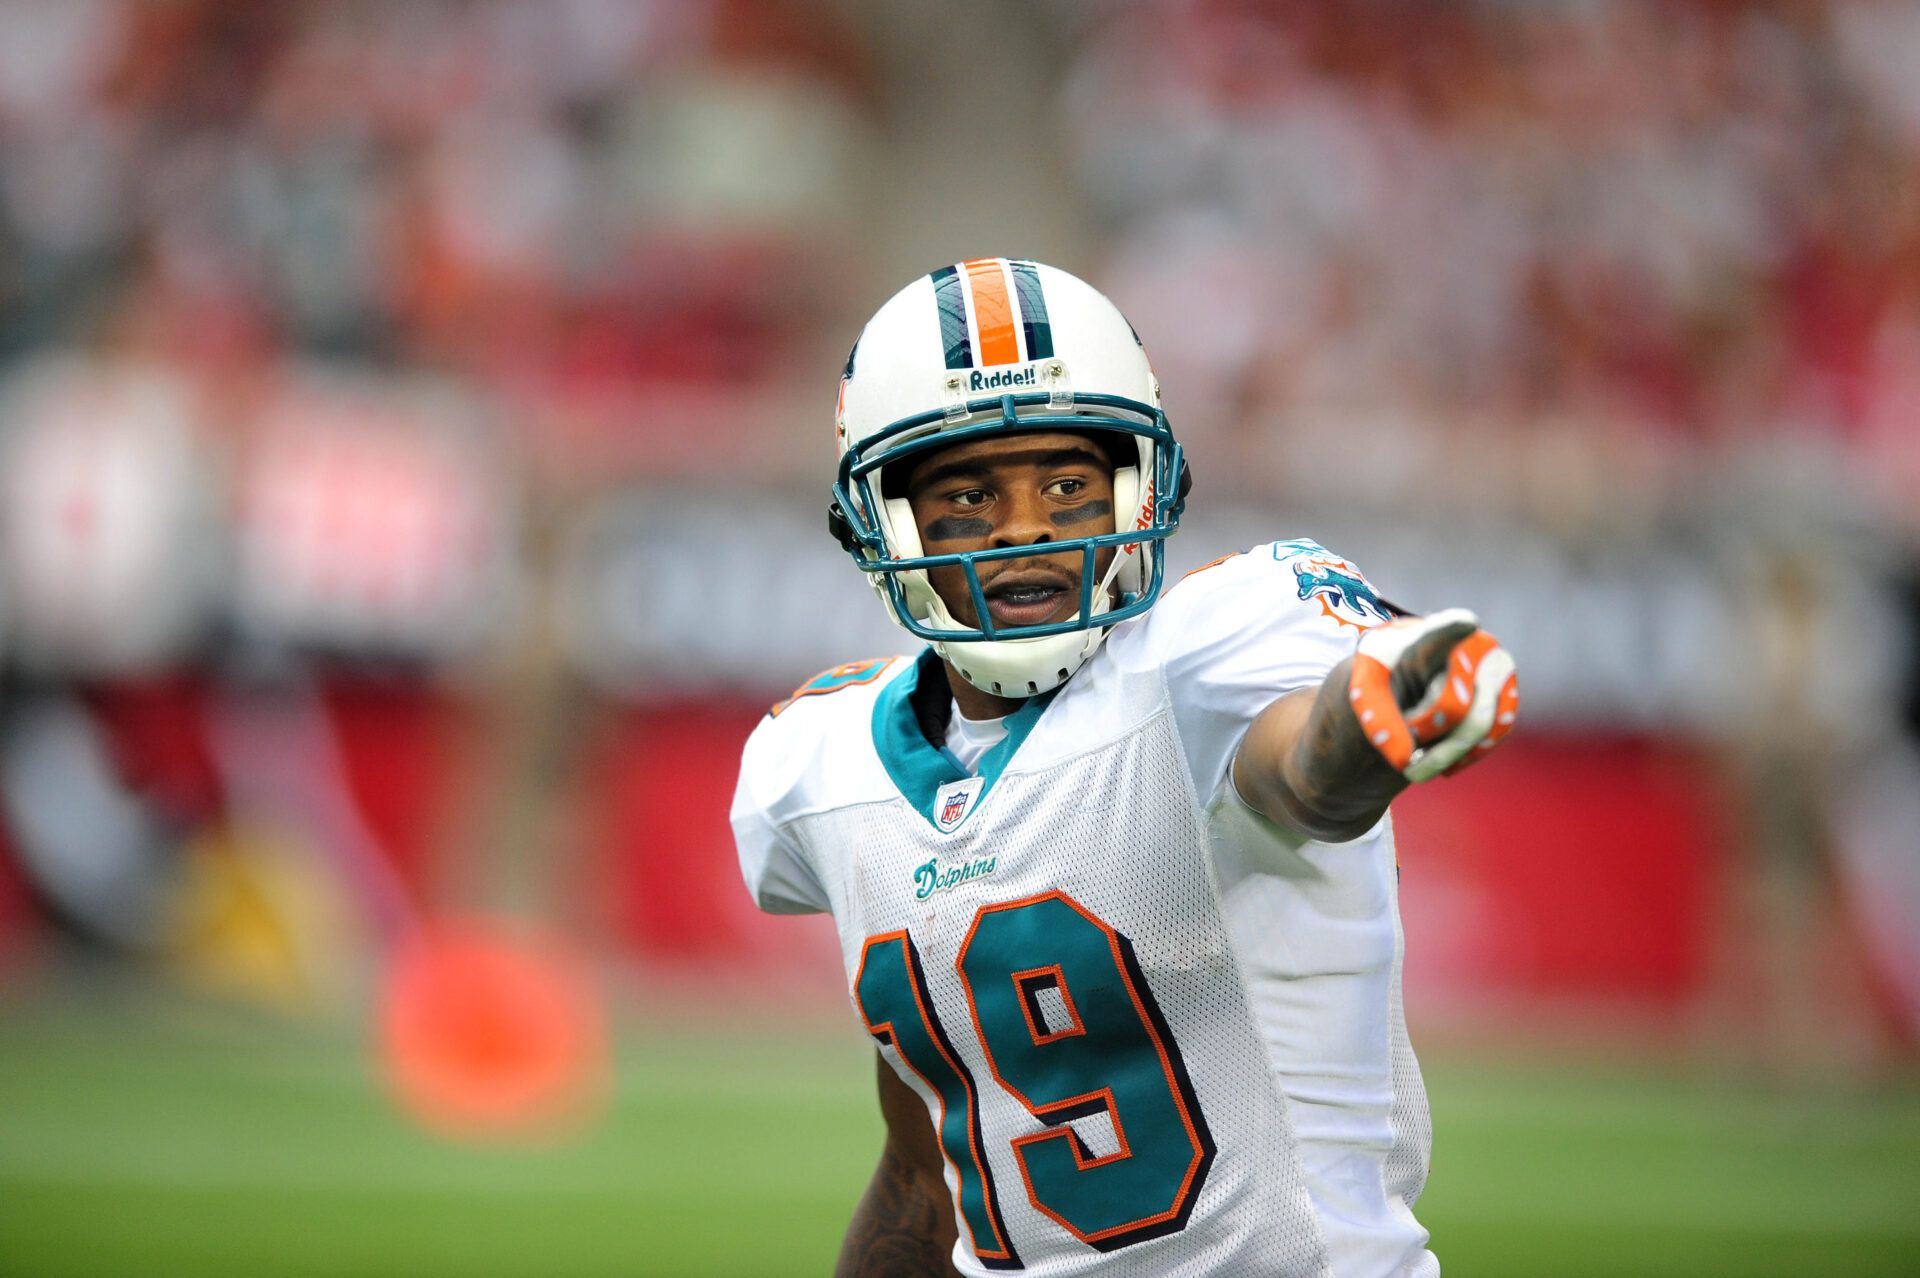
[(919, 768)]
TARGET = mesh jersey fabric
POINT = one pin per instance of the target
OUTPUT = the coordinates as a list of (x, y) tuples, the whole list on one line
[(1274, 963)]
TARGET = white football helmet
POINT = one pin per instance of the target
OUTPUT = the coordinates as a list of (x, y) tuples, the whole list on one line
[(1000, 346)]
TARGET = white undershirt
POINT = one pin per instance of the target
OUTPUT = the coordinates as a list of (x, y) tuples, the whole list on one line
[(968, 739)]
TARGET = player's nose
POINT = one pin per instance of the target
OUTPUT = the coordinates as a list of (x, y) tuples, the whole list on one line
[(1023, 521)]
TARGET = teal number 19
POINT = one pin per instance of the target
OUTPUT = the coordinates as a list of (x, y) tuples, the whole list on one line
[(892, 991), (1070, 1029)]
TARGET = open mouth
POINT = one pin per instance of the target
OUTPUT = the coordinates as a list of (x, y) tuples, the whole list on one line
[(1031, 599)]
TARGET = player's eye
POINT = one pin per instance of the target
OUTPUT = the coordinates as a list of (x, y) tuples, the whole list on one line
[(1067, 487), (968, 497)]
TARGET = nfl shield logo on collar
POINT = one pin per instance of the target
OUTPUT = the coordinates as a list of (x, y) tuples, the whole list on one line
[(952, 801)]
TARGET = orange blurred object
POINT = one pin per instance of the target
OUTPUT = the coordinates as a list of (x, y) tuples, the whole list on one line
[(489, 1032)]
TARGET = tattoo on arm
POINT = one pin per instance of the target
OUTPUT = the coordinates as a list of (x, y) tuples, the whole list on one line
[(1334, 770), (1083, 514), (904, 1226), (1317, 772), (1306, 764), (896, 1230)]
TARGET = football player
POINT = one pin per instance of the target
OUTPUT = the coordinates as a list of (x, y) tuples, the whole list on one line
[(1110, 863)]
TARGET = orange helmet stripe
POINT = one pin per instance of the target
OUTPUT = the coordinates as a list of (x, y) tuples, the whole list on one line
[(992, 311)]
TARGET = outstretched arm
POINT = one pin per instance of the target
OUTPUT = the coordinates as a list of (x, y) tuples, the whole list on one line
[(903, 1227), (1421, 697)]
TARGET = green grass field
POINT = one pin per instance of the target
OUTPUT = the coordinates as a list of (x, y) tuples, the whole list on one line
[(151, 1138)]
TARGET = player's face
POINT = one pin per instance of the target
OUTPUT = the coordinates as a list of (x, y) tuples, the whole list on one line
[(1013, 491)]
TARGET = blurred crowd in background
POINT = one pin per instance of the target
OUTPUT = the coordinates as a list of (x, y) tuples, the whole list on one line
[(1645, 234), (414, 424)]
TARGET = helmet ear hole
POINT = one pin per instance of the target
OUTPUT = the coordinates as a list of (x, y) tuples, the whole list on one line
[(842, 528)]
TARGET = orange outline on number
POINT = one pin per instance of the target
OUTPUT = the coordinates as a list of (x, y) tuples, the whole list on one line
[(973, 1101), (1106, 1106), (1064, 1132), (1040, 1036)]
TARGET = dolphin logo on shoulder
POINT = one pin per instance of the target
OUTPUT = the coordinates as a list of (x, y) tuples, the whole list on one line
[(1342, 592)]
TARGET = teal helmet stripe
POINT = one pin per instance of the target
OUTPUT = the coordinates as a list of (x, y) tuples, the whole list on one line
[(1033, 310), (952, 301)]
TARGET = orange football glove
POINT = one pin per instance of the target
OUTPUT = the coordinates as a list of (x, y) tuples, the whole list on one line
[(1433, 694)]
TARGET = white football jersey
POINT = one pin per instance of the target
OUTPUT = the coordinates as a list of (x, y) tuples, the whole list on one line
[(1156, 1034)]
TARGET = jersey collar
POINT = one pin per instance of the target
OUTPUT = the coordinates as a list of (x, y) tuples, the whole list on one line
[(920, 770)]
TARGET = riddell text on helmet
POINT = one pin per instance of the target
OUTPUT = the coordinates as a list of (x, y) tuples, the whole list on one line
[(1000, 377)]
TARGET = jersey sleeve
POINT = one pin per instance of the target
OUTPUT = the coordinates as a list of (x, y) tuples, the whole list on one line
[(1248, 629), (775, 869)]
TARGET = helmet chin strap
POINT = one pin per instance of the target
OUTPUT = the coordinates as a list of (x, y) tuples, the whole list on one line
[(1019, 668)]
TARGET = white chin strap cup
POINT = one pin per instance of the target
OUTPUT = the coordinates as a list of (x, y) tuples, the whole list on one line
[(1022, 667), (1025, 667)]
